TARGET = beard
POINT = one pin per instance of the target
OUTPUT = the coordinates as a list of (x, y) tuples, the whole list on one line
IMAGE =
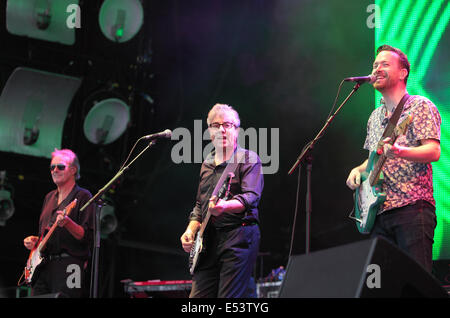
[(382, 82)]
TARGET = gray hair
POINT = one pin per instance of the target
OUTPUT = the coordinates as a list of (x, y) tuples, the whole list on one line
[(219, 109), (69, 154)]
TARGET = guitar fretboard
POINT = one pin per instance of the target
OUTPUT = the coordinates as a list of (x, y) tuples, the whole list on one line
[(375, 174), (400, 129)]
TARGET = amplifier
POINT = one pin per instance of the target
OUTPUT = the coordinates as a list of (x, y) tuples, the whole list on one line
[(268, 289), (158, 288)]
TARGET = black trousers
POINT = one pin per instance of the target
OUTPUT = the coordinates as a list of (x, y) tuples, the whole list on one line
[(226, 266), (411, 228), (65, 275)]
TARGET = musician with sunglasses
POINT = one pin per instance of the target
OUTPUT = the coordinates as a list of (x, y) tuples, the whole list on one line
[(68, 250)]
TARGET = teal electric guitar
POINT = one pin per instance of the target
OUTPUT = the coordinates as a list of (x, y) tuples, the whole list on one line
[(369, 196)]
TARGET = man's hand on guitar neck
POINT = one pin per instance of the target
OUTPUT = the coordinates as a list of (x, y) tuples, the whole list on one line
[(222, 206), (63, 220), (30, 241), (391, 151), (428, 151), (216, 207)]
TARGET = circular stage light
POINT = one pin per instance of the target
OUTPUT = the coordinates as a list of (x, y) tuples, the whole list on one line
[(121, 20), (6, 206), (106, 121)]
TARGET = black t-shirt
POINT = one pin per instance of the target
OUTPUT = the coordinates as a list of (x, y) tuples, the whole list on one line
[(61, 240)]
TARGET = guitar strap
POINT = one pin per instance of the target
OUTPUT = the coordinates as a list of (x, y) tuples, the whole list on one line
[(392, 123), (231, 167), (395, 117), (49, 219)]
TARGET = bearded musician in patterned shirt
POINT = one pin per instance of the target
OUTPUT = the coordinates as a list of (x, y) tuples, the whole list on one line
[(407, 217)]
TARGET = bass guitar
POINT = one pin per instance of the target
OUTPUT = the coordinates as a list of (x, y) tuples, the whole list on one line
[(369, 196), (197, 247), (35, 258)]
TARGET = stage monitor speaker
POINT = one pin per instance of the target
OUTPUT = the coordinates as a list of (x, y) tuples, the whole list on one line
[(52, 295), (368, 268)]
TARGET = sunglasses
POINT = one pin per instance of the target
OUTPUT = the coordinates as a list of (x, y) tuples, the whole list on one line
[(60, 167)]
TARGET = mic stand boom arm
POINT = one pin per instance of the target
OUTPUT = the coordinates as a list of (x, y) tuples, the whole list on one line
[(306, 155), (302, 155), (98, 200)]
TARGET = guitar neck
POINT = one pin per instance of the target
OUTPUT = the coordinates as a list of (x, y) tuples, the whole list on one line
[(47, 237), (221, 196), (377, 170), (66, 211), (400, 129), (378, 166), (204, 223)]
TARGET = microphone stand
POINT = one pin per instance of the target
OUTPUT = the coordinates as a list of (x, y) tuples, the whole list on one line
[(99, 205), (306, 156)]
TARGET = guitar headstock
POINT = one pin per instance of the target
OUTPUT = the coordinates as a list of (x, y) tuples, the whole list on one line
[(70, 206), (401, 128)]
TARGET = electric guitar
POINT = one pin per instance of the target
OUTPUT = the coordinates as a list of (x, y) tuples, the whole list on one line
[(35, 258), (369, 196), (197, 247)]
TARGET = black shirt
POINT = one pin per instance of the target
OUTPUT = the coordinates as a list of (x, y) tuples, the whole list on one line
[(61, 240), (246, 187)]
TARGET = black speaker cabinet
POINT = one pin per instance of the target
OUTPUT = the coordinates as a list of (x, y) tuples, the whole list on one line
[(53, 295), (369, 268)]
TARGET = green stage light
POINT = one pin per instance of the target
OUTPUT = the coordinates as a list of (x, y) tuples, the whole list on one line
[(33, 109), (6, 207), (6, 202), (40, 19), (121, 20), (106, 121), (108, 219)]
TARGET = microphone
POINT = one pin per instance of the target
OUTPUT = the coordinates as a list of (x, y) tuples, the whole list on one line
[(362, 79), (164, 134)]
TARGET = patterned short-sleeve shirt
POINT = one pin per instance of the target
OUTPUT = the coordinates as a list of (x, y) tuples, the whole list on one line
[(406, 181)]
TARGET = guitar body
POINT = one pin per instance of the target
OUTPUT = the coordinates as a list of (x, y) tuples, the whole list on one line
[(35, 258), (197, 246), (33, 262), (368, 198), (194, 255)]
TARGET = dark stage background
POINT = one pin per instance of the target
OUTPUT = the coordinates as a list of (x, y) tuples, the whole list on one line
[(279, 63)]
